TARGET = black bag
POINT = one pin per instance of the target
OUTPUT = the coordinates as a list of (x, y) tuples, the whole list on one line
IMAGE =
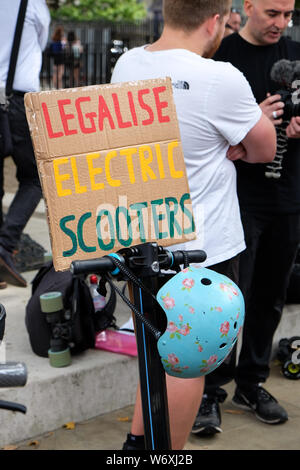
[(83, 323), (6, 145)]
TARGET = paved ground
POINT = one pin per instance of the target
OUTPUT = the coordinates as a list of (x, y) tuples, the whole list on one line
[(241, 430)]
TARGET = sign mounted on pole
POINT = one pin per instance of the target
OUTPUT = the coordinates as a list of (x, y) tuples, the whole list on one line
[(111, 166)]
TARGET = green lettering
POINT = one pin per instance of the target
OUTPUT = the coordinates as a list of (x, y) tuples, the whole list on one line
[(70, 234), (171, 216), (185, 210), (124, 211), (111, 244), (83, 246), (138, 207), (158, 218)]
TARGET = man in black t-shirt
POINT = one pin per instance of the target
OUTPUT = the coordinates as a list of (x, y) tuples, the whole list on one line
[(269, 196)]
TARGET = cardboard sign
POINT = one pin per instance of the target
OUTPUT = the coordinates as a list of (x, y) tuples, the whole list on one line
[(111, 167)]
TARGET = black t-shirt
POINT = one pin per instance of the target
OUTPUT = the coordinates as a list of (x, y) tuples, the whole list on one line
[(260, 188)]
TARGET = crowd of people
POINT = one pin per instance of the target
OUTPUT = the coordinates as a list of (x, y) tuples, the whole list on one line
[(67, 55), (230, 117)]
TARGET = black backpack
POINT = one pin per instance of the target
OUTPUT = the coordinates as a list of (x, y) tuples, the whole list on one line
[(83, 322)]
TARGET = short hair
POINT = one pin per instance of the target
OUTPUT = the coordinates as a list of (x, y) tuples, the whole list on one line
[(190, 14)]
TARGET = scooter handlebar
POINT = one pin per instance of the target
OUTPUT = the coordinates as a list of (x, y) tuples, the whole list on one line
[(13, 374), (106, 264)]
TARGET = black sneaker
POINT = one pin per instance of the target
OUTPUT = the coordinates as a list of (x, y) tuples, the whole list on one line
[(208, 420), (262, 403), (134, 443)]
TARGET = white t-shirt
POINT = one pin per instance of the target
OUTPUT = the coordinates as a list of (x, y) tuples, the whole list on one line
[(33, 41), (215, 108)]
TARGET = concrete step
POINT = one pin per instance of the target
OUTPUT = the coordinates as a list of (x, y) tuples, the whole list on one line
[(96, 382)]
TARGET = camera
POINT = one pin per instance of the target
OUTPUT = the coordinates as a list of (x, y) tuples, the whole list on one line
[(286, 73)]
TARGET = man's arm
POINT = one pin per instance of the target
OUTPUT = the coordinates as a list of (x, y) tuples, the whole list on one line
[(255, 148), (261, 142)]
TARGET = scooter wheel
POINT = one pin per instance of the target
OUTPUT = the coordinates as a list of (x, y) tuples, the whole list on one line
[(291, 370)]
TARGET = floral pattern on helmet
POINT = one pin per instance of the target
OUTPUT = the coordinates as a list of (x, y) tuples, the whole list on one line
[(172, 363), (203, 321)]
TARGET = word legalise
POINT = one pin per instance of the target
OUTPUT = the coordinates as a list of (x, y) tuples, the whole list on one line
[(90, 122)]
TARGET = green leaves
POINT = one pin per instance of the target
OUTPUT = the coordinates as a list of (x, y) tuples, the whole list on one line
[(93, 10)]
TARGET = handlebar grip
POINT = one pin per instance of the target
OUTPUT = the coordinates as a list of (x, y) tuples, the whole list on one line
[(13, 374), (193, 256), (97, 266)]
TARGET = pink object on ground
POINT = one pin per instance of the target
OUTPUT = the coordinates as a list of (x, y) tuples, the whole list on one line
[(116, 342)]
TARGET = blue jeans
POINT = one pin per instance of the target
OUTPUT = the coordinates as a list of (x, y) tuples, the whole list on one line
[(29, 191)]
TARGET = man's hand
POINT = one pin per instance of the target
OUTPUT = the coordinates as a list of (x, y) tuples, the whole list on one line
[(293, 129), (272, 107), (236, 152)]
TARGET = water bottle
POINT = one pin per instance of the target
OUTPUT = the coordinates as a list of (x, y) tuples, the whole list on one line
[(98, 299)]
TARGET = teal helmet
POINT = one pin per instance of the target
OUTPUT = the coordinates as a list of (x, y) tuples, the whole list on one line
[(205, 314)]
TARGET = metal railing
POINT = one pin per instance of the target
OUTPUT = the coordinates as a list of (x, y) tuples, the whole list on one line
[(103, 43)]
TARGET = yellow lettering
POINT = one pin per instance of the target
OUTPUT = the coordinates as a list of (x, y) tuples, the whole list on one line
[(145, 162), (174, 173), (110, 180), (94, 171), (128, 153), (160, 162), (78, 189), (60, 178)]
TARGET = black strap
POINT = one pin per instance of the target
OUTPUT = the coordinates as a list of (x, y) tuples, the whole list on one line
[(15, 48)]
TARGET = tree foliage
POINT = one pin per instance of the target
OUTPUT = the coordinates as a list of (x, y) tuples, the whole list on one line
[(92, 10)]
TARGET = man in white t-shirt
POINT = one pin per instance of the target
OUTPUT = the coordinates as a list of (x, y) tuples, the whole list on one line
[(219, 122)]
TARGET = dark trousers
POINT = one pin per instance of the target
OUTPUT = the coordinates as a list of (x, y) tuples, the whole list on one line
[(225, 372), (265, 269), (29, 191)]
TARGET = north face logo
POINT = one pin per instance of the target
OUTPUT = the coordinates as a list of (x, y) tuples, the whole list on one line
[(181, 85)]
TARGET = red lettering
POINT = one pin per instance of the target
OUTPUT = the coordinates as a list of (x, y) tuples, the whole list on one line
[(65, 117), (89, 116), (160, 104), (51, 134), (146, 107), (132, 108), (121, 123), (104, 114)]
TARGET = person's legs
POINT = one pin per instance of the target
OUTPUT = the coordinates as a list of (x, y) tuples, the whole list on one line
[(208, 419), (3, 284), (184, 397), (27, 196), (1, 188), (265, 299)]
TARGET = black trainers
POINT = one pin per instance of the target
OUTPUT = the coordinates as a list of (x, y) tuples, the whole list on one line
[(208, 420), (134, 443), (262, 403)]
